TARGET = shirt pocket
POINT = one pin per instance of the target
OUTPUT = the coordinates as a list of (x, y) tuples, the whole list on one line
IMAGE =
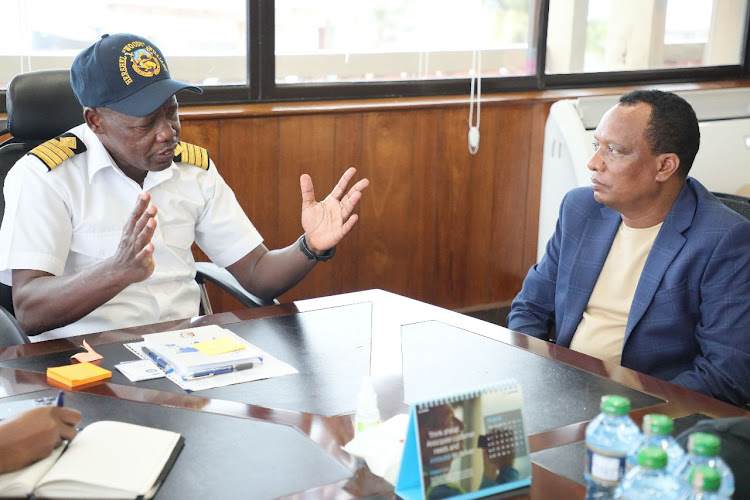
[(180, 236), (89, 249)]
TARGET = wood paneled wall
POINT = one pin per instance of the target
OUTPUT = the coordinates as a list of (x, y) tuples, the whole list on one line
[(437, 223)]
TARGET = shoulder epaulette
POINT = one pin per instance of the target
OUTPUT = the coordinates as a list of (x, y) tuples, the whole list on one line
[(57, 150), (190, 153)]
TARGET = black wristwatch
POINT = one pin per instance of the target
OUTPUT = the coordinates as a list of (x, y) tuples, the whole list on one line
[(327, 255)]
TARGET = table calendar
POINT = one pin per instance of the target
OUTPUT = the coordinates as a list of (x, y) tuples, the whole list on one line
[(466, 445)]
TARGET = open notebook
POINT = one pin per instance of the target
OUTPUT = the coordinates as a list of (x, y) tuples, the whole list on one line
[(106, 460)]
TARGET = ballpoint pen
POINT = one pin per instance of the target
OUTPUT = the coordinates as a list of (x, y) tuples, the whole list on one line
[(60, 401), (218, 371), (159, 361)]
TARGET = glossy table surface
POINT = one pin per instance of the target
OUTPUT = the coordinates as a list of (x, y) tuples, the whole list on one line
[(281, 437)]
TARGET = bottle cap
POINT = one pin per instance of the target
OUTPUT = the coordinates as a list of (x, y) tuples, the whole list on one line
[(652, 457), (703, 478), (705, 445), (615, 405), (655, 424)]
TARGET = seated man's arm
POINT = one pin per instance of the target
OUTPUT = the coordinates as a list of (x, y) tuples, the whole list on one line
[(533, 310), (43, 301), (269, 274), (722, 369)]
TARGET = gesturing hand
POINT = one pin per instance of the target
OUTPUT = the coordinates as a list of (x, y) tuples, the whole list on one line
[(328, 221), (135, 253)]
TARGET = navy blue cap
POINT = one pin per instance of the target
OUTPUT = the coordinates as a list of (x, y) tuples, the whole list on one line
[(125, 73)]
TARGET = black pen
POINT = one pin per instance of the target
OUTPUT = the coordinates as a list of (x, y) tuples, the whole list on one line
[(218, 371)]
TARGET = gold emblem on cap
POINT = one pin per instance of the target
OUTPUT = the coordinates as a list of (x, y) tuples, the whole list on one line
[(144, 60)]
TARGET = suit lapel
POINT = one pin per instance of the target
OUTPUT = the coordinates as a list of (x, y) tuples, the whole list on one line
[(667, 245), (592, 251)]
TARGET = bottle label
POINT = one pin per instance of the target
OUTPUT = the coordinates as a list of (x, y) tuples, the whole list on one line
[(605, 467)]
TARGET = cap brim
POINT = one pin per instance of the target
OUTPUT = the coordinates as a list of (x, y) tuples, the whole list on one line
[(148, 99)]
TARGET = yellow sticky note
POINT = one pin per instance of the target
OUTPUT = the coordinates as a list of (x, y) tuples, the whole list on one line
[(78, 374), (218, 346)]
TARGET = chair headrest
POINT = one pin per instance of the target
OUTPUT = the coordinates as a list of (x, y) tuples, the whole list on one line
[(41, 105)]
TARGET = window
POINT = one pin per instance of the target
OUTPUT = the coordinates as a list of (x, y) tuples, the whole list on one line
[(590, 36), (266, 50), (394, 40), (205, 42)]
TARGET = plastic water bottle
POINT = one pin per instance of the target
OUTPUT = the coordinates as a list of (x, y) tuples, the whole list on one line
[(650, 479), (609, 437), (657, 431), (703, 449), (367, 414), (706, 483)]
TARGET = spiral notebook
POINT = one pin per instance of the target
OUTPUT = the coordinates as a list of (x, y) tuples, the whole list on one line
[(466, 445)]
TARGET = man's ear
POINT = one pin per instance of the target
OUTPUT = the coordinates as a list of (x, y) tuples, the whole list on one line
[(93, 119), (669, 165)]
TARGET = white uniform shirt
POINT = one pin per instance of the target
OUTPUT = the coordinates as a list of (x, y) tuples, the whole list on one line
[(70, 218)]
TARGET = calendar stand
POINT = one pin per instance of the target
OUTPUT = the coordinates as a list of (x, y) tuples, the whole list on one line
[(466, 445)]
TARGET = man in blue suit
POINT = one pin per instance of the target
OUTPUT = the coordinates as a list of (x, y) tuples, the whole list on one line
[(646, 268)]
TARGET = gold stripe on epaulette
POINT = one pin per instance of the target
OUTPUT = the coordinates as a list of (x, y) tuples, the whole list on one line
[(55, 151), (192, 154)]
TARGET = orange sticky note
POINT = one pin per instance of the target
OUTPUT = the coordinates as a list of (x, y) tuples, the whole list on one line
[(218, 346), (78, 374)]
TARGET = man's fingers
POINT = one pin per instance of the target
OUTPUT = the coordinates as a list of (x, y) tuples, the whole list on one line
[(349, 224), (68, 416), (340, 188), (141, 205), (308, 193), (145, 253)]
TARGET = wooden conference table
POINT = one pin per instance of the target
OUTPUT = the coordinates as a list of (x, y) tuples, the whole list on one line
[(281, 437)]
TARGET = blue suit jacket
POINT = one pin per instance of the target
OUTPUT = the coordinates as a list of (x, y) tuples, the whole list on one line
[(689, 322)]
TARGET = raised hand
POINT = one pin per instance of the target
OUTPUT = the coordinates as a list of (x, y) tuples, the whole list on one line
[(327, 222), (135, 253)]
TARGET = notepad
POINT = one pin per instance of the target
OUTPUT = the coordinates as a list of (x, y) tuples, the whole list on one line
[(195, 350), (107, 459), (78, 374)]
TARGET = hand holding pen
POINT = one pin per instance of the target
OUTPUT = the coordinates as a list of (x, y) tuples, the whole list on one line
[(33, 435)]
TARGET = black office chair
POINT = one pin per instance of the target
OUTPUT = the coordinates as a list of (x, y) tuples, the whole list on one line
[(11, 332), (739, 204), (41, 105)]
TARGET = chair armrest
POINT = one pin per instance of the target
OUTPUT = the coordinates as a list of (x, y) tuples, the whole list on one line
[(11, 331), (208, 271)]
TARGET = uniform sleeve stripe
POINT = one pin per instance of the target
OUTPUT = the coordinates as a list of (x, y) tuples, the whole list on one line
[(65, 151), (45, 158), (51, 153), (204, 158), (191, 154)]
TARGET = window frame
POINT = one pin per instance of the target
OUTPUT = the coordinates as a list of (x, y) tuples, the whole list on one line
[(262, 88)]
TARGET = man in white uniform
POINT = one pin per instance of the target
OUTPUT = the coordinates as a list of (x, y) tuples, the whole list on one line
[(99, 222)]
